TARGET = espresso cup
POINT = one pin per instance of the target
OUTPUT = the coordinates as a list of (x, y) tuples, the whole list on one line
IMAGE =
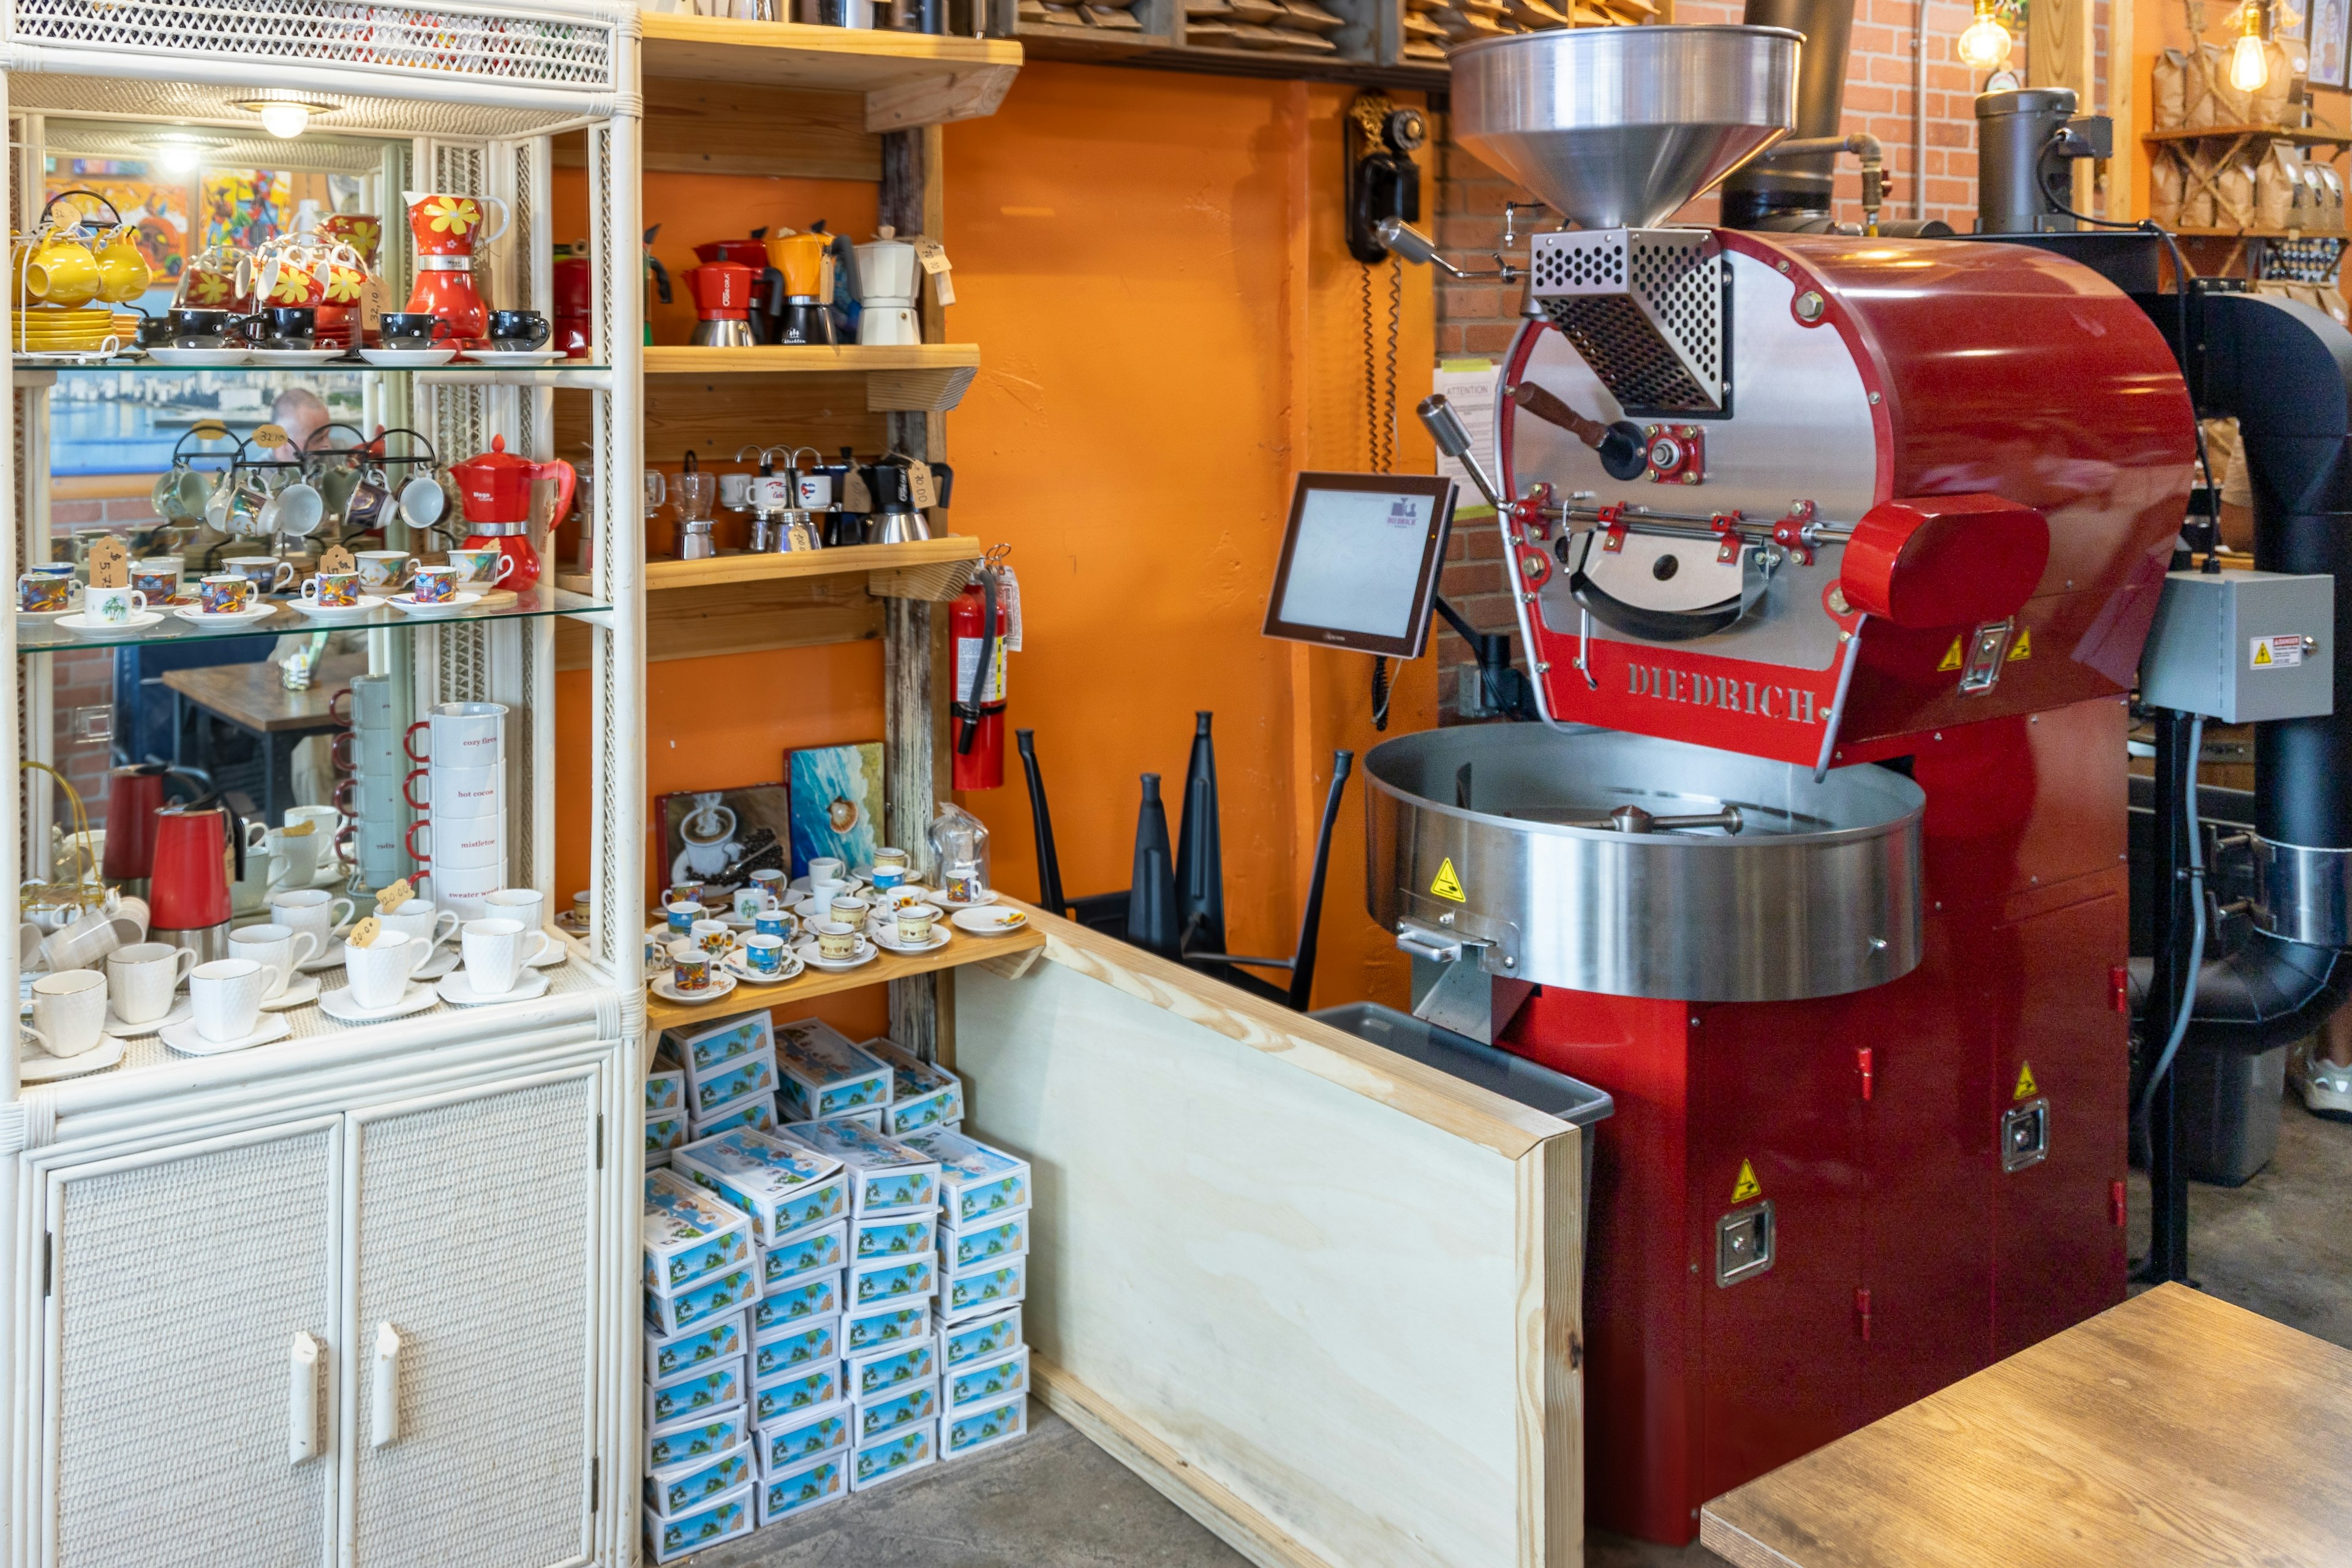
[(111, 606), (526, 905), (225, 593), (714, 937), (140, 979), (297, 857), (690, 967), (433, 584), (424, 922), (823, 890), (381, 571), (496, 951), (407, 328), (775, 923), (201, 328), (286, 326), (379, 972), (914, 923), (835, 940), (45, 593), (683, 893), (824, 869), (889, 856), (480, 568), (272, 946), (763, 954), (268, 573), (519, 332), (88, 940), (158, 577), (332, 590), (888, 877), (774, 883), (752, 903), (227, 995), (682, 913), (311, 909), (69, 1011), (848, 908)]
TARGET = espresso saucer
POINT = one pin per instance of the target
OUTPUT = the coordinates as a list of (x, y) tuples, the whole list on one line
[(513, 358), (188, 1041), (442, 961), (457, 989), (983, 920), (182, 1011), (733, 966), (300, 992), (367, 605), (892, 944), (721, 982), (200, 359), (331, 957), (553, 957), (261, 612), (808, 954), (408, 605), (137, 621), (338, 1006), (35, 1064), (293, 356), (407, 359)]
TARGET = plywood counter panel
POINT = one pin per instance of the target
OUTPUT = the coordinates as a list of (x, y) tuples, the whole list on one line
[(1324, 1297)]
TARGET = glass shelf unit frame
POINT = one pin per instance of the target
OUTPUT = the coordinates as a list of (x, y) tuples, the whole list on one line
[(462, 100)]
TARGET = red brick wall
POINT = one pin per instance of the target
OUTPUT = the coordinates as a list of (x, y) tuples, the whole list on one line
[(1477, 318)]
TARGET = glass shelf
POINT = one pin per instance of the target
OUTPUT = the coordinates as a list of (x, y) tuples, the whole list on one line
[(324, 367), (48, 636)]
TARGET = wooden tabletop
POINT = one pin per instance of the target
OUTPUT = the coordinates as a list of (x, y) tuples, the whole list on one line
[(2172, 1430), (254, 696)]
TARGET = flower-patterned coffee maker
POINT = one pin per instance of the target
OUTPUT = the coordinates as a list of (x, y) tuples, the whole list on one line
[(447, 230)]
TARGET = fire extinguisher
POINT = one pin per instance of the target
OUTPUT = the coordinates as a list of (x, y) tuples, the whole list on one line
[(978, 622)]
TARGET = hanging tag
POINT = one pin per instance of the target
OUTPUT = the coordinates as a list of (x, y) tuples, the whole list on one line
[(1008, 595), (110, 564), (364, 933), (854, 496), (337, 559), (389, 900), (297, 830), (824, 281), (208, 430), (270, 436), (933, 258), (921, 487)]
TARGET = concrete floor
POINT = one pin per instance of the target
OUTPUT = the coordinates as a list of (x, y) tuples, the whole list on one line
[(2279, 1245)]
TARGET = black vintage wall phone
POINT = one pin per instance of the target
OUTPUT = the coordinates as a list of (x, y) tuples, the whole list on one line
[(1382, 179)]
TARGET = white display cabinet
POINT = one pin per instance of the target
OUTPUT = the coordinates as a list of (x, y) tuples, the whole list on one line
[(213, 1257)]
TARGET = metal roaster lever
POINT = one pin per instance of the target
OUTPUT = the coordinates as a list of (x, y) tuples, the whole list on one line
[(1452, 439)]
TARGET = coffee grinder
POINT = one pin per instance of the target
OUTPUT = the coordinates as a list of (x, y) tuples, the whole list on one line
[(697, 492)]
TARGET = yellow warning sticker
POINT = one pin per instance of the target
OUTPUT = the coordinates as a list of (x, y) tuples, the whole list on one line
[(2023, 646), (1748, 1186), (2261, 653), (1448, 885), (2026, 1087), (1951, 657)]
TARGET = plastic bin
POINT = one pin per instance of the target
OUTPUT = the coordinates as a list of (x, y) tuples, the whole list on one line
[(1473, 1061), (2229, 1111)]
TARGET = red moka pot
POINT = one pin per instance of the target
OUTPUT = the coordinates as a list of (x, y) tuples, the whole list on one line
[(496, 489), (188, 891)]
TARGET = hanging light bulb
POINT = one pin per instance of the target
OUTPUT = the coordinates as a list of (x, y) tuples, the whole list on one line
[(1984, 43), (286, 120), (2249, 64)]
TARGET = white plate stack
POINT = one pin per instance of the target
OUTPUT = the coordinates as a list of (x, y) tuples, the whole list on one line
[(460, 840)]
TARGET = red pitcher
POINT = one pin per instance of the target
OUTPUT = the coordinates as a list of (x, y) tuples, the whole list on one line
[(494, 487)]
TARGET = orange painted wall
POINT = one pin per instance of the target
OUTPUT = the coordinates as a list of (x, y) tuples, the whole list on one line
[(1171, 326)]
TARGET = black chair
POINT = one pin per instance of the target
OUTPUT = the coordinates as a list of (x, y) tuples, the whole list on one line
[(1107, 912)]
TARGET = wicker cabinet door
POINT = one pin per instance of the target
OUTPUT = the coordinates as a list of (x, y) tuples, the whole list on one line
[(179, 1281), (473, 1248)]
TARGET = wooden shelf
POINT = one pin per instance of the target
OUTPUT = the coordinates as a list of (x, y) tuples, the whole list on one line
[(2255, 234), (908, 79), (1047, 41), (964, 948), (2302, 136), (887, 560), (915, 378)]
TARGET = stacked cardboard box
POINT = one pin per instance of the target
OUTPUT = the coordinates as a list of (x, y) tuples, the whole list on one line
[(983, 1270), (699, 1271)]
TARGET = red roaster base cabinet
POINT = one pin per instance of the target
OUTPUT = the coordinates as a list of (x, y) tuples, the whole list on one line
[(1905, 1256)]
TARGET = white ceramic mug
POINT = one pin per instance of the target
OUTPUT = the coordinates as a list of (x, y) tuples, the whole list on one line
[(272, 946), (111, 606), (914, 921), (525, 905), (496, 949), (140, 979), (455, 792), (311, 909), (379, 974), (89, 940), (824, 869), (751, 901), (324, 819), (713, 937), (763, 954), (422, 921), (465, 843), (294, 862), (466, 890), (69, 1011), (227, 995), (460, 735)]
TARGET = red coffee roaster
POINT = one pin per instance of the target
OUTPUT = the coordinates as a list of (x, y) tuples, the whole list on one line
[(496, 488)]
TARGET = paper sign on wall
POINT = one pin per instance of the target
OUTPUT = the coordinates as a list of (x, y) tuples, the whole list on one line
[(1469, 385)]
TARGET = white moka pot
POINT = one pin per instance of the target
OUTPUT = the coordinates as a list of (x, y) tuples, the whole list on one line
[(887, 271)]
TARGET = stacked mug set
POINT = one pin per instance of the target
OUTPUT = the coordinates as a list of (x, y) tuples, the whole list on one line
[(498, 955), (461, 839), (365, 752), (768, 931)]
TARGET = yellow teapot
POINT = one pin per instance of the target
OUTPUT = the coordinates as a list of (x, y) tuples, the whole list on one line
[(123, 270), (63, 270)]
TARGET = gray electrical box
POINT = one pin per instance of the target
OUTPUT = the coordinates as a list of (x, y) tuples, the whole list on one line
[(2243, 646)]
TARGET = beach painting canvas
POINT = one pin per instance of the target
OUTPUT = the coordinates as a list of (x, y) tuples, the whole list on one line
[(836, 804)]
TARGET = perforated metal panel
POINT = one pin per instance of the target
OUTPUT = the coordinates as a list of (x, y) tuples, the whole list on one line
[(180, 1285), (1644, 307), (473, 1239)]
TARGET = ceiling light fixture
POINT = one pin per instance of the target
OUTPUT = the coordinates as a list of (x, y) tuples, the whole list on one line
[(284, 118), (179, 154), (2249, 64)]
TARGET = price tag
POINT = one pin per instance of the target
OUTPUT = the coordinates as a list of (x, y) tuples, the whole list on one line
[(922, 487), (388, 900), (110, 564), (270, 436), (933, 258), (337, 559), (302, 829), (854, 496), (208, 430), (364, 933)]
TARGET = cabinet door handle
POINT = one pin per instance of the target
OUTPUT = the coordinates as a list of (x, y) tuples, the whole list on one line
[(383, 1425), (302, 1402)]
